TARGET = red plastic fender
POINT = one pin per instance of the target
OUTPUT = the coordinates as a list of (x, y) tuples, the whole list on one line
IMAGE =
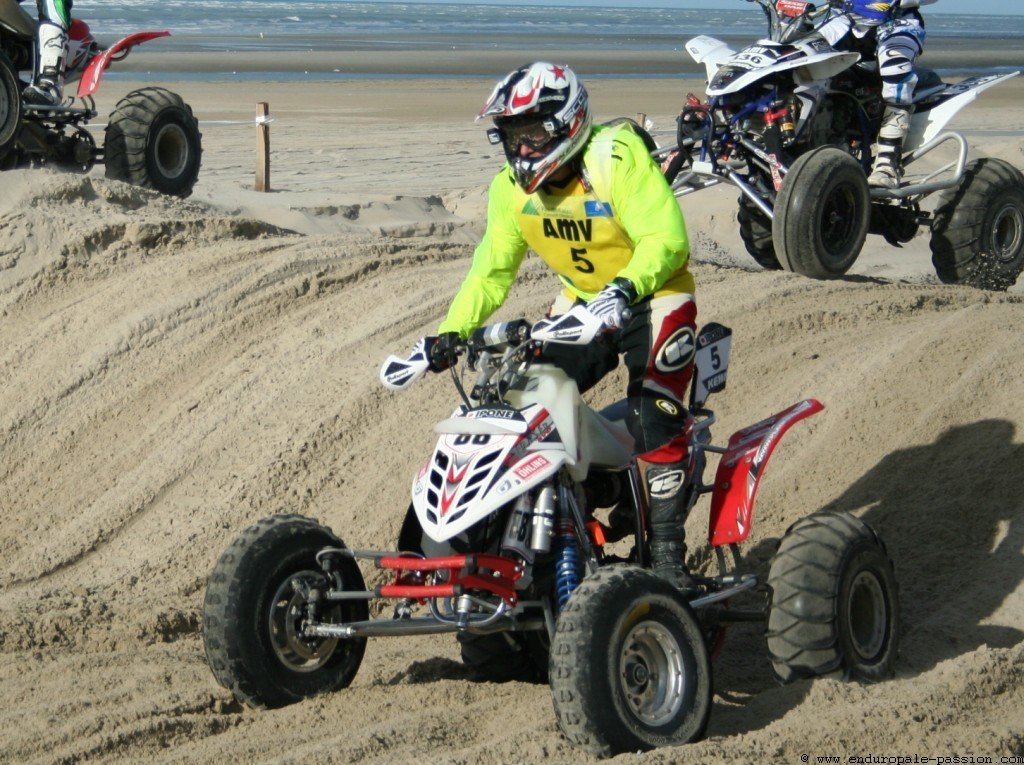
[(94, 71), (740, 470)]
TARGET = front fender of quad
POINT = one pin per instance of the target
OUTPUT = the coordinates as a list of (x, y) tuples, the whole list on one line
[(90, 81), (741, 468)]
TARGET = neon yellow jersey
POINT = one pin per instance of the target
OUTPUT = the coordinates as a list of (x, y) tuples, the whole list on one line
[(620, 219)]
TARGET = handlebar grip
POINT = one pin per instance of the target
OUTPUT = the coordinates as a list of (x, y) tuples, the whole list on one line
[(499, 336)]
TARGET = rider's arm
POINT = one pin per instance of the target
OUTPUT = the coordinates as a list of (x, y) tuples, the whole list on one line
[(649, 213), (495, 263)]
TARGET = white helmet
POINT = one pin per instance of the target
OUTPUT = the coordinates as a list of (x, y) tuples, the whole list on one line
[(544, 107)]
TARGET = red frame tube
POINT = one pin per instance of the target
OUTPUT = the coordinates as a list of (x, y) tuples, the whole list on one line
[(491, 573)]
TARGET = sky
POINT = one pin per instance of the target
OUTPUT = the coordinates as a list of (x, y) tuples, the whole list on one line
[(990, 7)]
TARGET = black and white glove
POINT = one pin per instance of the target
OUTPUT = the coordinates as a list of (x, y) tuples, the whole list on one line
[(443, 350), (612, 303)]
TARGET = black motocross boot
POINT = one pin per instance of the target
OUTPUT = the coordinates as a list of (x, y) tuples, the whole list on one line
[(668, 534)]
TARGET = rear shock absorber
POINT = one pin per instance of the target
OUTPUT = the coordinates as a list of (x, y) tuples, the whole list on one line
[(569, 565)]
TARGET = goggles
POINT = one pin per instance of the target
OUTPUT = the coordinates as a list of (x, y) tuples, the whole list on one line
[(532, 131)]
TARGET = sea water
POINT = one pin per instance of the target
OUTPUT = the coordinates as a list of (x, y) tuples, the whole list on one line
[(328, 24)]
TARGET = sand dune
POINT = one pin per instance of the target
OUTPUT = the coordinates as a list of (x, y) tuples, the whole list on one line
[(172, 371)]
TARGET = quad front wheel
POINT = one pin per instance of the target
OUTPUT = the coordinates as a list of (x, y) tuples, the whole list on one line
[(835, 605), (152, 140), (822, 214), (629, 669), (978, 234), (257, 600)]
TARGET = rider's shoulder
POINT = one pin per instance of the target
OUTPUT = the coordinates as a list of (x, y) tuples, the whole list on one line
[(620, 139)]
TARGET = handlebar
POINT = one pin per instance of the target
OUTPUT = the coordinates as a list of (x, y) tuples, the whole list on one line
[(499, 337), (498, 347)]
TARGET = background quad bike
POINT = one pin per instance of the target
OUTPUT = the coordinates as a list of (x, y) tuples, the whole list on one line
[(151, 139), (825, 210), (628, 664)]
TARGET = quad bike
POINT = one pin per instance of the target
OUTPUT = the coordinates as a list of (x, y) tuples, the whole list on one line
[(151, 139), (504, 545), (791, 123)]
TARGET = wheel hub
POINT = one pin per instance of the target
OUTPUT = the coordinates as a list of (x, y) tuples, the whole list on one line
[(1007, 233), (171, 150), (867, 615), (286, 618), (838, 222), (652, 676), (640, 675)]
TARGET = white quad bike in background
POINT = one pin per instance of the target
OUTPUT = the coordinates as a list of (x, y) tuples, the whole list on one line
[(151, 138), (503, 545), (791, 123)]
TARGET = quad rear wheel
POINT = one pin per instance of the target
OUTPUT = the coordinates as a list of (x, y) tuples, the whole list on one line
[(503, 656), (756, 232), (152, 140), (629, 669), (10, 106), (822, 214), (256, 603), (835, 604), (978, 233)]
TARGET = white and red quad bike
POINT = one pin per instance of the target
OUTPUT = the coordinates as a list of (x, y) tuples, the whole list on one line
[(504, 545), (151, 138)]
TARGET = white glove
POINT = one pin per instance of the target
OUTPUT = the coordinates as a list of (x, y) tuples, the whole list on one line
[(610, 306)]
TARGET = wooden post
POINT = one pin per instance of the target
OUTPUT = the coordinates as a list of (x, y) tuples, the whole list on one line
[(262, 146)]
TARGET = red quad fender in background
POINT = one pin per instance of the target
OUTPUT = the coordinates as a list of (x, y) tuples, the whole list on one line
[(740, 470), (94, 72)]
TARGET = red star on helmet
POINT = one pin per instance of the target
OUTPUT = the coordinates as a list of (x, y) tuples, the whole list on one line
[(558, 71)]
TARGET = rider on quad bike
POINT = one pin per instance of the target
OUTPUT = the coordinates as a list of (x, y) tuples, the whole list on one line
[(595, 207), (47, 86), (893, 34)]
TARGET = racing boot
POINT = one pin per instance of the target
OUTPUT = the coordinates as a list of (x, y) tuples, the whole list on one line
[(47, 89), (668, 534), (888, 168)]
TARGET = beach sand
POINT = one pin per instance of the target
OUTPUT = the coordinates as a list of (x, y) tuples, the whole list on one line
[(173, 371)]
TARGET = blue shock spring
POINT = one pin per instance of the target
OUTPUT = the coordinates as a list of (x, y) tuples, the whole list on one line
[(569, 569)]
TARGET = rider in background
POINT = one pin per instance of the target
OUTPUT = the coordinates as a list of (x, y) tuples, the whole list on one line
[(47, 86), (894, 33), (591, 202)]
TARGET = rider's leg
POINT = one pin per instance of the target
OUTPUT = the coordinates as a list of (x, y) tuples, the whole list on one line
[(664, 484), (52, 47), (587, 364), (888, 167), (899, 45), (659, 347)]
